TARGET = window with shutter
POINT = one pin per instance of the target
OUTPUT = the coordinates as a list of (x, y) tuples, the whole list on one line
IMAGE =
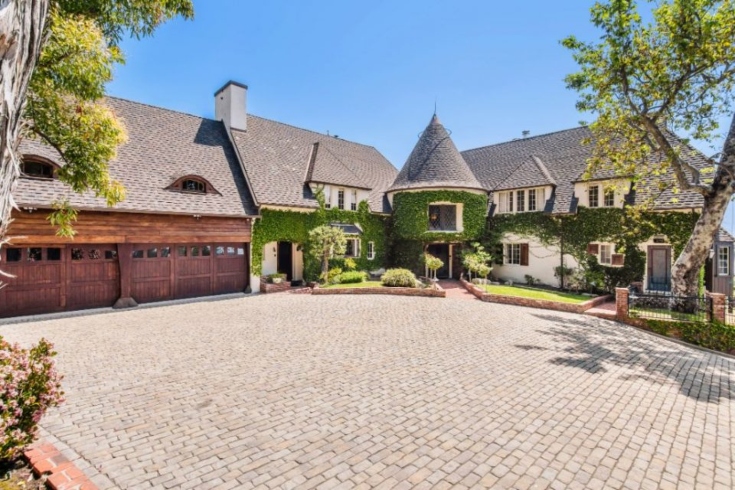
[(618, 260), (593, 249), (524, 254)]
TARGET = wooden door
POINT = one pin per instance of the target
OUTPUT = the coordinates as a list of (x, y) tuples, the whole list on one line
[(231, 268), (38, 282), (93, 275), (659, 268), (151, 273), (441, 251), (194, 270)]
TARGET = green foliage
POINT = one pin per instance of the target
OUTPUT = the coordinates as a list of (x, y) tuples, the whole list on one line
[(411, 218), (324, 242), (626, 228), (433, 263), (476, 260), (277, 275), (407, 254), (352, 277), (63, 218), (333, 276), (530, 280), (715, 335), (293, 226), (350, 264), (64, 106), (401, 278), (675, 72)]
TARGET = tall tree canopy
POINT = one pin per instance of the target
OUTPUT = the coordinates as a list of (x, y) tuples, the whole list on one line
[(644, 81), (56, 56)]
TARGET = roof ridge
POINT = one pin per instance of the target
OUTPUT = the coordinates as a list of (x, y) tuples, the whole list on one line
[(544, 169), (175, 111), (523, 139)]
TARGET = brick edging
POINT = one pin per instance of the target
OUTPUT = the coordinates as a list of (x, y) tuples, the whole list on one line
[(427, 293), (45, 459), (533, 303)]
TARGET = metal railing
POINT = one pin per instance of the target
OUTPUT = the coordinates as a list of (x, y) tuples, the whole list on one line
[(665, 306)]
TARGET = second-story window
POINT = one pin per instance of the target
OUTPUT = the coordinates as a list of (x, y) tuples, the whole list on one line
[(521, 200), (191, 185), (40, 170), (505, 202), (442, 217), (341, 199), (328, 197), (353, 203), (594, 196), (532, 200)]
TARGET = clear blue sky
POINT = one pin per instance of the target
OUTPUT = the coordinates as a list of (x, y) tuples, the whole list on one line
[(370, 71)]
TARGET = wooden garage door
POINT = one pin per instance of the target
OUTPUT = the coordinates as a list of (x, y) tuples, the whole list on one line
[(161, 272), (50, 279)]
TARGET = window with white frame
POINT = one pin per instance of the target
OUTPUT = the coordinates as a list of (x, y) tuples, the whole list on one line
[(371, 250), (505, 202), (723, 261), (327, 197), (520, 201), (594, 196), (532, 199), (609, 201), (513, 253), (353, 203), (606, 251), (352, 247), (341, 199)]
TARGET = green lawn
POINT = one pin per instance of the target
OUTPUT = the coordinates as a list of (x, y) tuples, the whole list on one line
[(535, 293), (366, 284)]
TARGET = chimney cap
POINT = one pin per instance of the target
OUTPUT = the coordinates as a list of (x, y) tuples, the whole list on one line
[(231, 82)]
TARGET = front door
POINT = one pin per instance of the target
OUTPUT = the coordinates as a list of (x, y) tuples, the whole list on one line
[(441, 251), (659, 268), (285, 259)]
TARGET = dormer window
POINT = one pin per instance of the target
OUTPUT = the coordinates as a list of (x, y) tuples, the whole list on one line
[(191, 185), (194, 185), (37, 169)]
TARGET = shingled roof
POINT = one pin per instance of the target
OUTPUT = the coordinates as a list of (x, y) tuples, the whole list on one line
[(162, 146), (280, 160), (560, 159), (434, 163)]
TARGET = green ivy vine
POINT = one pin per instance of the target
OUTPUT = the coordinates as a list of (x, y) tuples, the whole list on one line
[(410, 215), (293, 226)]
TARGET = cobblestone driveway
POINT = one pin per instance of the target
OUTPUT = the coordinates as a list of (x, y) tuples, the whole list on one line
[(292, 391)]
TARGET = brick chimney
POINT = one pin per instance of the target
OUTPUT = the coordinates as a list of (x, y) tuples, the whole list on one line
[(230, 105)]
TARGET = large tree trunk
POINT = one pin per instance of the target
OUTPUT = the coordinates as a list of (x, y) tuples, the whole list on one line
[(685, 272), (22, 24)]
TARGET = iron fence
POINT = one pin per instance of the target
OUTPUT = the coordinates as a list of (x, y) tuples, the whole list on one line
[(665, 306), (730, 310)]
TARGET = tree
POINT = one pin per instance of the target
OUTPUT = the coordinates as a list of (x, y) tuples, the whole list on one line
[(55, 58), (433, 264), (476, 259), (324, 242), (646, 81)]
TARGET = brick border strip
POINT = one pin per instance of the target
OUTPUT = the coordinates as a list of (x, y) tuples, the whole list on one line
[(427, 293), (45, 459), (534, 303)]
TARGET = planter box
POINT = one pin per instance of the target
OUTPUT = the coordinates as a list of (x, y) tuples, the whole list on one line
[(533, 303), (268, 287), (428, 293)]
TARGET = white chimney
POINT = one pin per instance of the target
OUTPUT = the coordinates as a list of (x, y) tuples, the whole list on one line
[(230, 105)]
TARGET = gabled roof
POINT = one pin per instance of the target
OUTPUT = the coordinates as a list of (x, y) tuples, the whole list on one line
[(326, 168), (162, 146), (724, 236), (435, 162), (277, 160), (560, 159)]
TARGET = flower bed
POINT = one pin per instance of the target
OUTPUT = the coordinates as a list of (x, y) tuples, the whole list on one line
[(572, 307), (377, 289)]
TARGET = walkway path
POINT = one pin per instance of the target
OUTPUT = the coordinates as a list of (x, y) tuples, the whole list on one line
[(300, 391), (455, 290)]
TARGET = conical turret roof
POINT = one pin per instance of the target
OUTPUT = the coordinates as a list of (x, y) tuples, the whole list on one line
[(435, 163)]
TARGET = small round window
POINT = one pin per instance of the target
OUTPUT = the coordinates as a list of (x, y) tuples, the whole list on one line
[(191, 185)]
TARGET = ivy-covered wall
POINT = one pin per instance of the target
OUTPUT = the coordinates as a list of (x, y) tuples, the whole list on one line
[(411, 215), (574, 232), (294, 226)]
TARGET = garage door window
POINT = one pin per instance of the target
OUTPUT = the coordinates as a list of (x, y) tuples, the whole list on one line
[(53, 254), (109, 254), (78, 254), (12, 255), (152, 253), (182, 251), (165, 252), (34, 255), (240, 251), (219, 251)]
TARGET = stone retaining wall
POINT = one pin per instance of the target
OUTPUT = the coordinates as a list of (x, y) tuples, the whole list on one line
[(267, 287), (429, 293), (533, 303)]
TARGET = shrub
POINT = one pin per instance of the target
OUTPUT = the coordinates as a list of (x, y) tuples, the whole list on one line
[(350, 264), (400, 278), (333, 276), (29, 386), (433, 264), (351, 277), (530, 280), (715, 335), (277, 275)]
